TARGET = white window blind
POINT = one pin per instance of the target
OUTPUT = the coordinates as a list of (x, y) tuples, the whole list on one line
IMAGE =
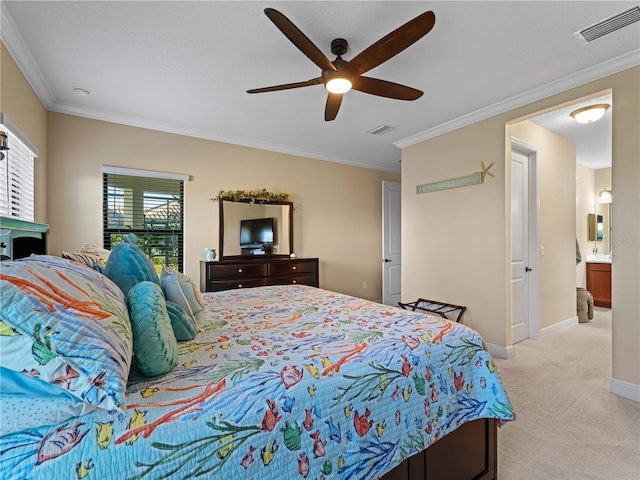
[(16, 176), (150, 205)]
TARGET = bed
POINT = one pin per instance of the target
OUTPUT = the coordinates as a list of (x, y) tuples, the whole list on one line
[(282, 382)]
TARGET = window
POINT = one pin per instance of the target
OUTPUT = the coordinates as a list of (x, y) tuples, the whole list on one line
[(16, 173), (150, 205)]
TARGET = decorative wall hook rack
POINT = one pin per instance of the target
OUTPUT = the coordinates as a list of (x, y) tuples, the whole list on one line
[(474, 179)]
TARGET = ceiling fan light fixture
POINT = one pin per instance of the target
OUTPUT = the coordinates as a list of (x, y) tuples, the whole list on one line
[(590, 114), (338, 85)]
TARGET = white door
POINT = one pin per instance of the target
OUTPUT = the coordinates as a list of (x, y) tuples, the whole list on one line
[(519, 246), (391, 243)]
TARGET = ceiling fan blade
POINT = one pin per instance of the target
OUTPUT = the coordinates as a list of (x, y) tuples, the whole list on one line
[(333, 105), (382, 88), (287, 86), (395, 42), (299, 39)]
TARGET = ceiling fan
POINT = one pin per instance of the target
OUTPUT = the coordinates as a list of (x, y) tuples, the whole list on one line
[(340, 75)]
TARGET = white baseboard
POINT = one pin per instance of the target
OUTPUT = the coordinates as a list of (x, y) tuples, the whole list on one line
[(498, 351), (560, 325), (625, 389)]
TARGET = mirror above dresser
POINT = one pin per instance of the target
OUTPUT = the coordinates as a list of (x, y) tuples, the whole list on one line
[(255, 229), (256, 248)]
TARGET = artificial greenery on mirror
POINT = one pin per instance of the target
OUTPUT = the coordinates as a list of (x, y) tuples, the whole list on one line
[(253, 196)]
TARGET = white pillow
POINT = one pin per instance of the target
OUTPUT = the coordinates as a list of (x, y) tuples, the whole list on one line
[(93, 250)]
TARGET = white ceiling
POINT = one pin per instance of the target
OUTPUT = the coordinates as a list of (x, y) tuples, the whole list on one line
[(184, 67), (593, 140)]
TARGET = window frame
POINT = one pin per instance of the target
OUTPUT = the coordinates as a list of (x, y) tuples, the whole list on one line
[(145, 231), (17, 173)]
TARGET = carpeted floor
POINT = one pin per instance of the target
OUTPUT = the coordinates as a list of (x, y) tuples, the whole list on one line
[(568, 426)]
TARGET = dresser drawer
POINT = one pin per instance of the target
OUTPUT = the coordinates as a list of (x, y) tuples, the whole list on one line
[(291, 267), (257, 272), (238, 270), (305, 279), (216, 286)]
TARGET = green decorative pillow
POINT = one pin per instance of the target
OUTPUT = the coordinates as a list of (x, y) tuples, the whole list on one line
[(183, 325), (180, 289), (155, 349), (128, 265)]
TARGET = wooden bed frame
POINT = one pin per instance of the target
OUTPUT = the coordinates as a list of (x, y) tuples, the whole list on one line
[(468, 453)]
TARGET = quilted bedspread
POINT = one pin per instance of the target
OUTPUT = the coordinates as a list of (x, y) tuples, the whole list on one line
[(285, 382)]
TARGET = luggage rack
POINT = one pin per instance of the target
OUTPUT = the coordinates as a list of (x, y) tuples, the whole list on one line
[(445, 310)]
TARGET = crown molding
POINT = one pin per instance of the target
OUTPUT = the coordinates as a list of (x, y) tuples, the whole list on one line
[(20, 53), (22, 56), (141, 122), (17, 48), (609, 67)]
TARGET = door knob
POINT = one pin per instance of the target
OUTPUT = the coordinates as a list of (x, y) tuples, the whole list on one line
[(386, 260), (527, 269)]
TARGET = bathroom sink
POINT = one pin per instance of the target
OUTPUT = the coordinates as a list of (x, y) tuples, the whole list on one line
[(599, 258)]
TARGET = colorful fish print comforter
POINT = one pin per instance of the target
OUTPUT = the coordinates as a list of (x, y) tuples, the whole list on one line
[(284, 382)]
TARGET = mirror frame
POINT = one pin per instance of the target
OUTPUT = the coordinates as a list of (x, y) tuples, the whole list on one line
[(223, 257)]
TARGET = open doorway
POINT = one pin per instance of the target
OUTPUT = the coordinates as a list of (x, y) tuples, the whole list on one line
[(593, 178), (574, 167)]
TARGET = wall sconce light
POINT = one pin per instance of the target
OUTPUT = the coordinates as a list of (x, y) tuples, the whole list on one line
[(605, 196), (590, 114), (3, 144)]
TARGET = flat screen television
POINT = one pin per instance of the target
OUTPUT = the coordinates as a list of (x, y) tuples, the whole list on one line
[(256, 232)]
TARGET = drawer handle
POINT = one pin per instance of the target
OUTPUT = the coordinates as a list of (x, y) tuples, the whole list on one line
[(295, 268), (239, 285), (294, 282), (239, 270)]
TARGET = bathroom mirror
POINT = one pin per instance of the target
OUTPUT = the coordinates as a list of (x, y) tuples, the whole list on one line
[(255, 229), (604, 210), (596, 227)]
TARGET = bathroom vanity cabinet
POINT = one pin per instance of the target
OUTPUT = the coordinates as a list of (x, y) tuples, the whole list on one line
[(599, 283)]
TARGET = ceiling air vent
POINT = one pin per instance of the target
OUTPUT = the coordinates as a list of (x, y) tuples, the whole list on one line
[(380, 129), (609, 25)]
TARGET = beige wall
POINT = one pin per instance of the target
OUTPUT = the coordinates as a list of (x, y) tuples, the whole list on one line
[(625, 186), (557, 220), (338, 207), (585, 201), (456, 243), (23, 107), (453, 243)]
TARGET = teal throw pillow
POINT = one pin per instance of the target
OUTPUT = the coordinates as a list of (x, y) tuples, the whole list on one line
[(180, 289), (128, 265), (155, 349), (183, 325)]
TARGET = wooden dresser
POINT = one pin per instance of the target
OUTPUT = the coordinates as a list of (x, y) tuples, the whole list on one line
[(244, 273)]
